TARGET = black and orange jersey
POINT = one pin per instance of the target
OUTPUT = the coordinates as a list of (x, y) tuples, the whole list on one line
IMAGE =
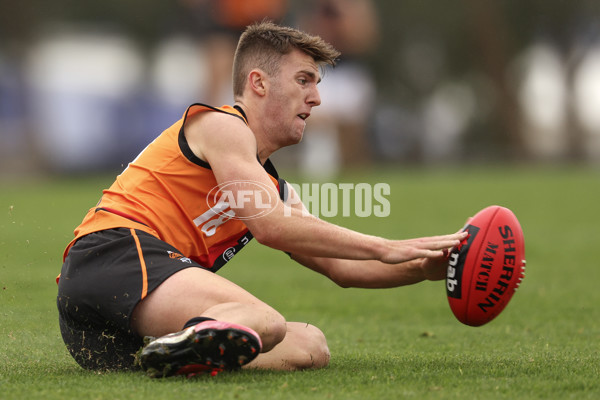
[(164, 191)]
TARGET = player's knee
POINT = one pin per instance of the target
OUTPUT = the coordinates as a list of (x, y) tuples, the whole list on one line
[(315, 352), (273, 330)]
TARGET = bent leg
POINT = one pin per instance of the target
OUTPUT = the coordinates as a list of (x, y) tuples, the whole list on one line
[(194, 292), (304, 346)]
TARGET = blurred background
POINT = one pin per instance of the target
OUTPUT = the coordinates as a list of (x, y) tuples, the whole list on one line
[(85, 85)]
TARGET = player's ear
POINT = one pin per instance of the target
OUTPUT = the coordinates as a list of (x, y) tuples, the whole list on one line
[(257, 81)]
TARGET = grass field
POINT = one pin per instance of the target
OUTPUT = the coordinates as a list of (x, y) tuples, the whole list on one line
[(394, 343)]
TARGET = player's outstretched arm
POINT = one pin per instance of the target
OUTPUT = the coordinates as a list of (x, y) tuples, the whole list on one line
[(230, 148), (377, 274), (373, 273)]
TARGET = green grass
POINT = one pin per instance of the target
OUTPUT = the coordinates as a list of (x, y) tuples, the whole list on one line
[(394, 343)]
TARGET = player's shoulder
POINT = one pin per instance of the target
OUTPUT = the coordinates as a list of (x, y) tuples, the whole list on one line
[(220, 129), (216, 119)]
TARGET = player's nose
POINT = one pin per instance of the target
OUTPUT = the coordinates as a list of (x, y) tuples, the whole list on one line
[(314, 98)]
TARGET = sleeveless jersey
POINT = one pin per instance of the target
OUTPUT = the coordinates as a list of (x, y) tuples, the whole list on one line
[(164, 192)]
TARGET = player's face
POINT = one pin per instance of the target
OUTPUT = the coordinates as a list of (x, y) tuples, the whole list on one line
[(293, 94)]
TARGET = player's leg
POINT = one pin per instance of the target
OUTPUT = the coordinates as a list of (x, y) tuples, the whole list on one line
[(195, 292), (238, 323), (303, 347), (121, 285)]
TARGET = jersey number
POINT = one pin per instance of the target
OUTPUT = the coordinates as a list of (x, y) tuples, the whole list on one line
[(214, 217)]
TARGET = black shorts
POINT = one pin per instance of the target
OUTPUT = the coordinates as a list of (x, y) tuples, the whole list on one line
[(103, 278)]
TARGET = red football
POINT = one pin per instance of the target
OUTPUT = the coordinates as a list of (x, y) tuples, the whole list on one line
[(487, 267)]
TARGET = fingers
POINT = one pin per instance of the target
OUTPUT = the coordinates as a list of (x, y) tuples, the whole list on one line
[(460, 235), (438, 246), (434, 253), (457, 235), (426, 247), (441, 242)]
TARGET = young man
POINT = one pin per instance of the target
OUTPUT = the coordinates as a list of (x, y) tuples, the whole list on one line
[(144, 259)]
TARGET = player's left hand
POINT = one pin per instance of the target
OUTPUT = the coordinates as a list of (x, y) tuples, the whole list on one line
[(434, 268)]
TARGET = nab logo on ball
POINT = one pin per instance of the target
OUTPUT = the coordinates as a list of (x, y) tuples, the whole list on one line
[(456, 264), (485, 270)]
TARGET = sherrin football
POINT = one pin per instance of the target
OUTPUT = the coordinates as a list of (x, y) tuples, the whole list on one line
[(486, 269)]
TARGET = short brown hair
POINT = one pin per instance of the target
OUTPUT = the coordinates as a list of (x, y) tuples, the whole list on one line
[(264, 43)]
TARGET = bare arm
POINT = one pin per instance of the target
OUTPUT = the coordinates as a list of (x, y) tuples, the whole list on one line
[(230, 148), (371, 273), (375, 274)]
